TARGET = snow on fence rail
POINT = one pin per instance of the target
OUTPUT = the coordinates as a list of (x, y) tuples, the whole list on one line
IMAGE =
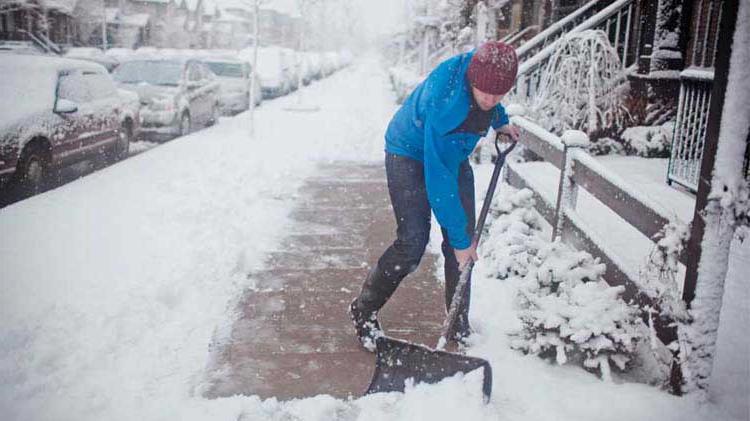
[(579, 169)]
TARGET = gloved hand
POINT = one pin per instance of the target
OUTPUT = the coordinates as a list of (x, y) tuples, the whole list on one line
[(466, 255)]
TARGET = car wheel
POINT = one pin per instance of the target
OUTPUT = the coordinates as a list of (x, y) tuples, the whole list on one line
[(122, 146), (32, 172), (214, 115), (185, 124)]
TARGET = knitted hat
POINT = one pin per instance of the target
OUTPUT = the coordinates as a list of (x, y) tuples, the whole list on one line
[(493, 68)]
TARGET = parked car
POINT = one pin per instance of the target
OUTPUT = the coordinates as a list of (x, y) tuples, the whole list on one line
[(275, 70), (177, 94), (235, 78), (56, 112), (92, 54)]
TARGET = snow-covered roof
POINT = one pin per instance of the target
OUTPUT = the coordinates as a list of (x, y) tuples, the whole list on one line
[(138, 19), (287, 7), (231, 17), (64, 6), (247, 6), (115, 16)]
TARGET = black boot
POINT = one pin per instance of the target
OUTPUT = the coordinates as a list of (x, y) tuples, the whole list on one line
[(366, 326), (376, 290)]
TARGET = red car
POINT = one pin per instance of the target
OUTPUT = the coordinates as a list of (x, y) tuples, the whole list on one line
[(55, 112)]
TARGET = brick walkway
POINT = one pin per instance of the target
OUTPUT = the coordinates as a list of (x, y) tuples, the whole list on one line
[(293, 337)]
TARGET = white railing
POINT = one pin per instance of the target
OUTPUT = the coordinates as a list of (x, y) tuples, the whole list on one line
[(690, 127), (616, 20)]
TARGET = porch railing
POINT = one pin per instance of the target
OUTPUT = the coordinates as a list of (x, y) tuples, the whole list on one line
[(617, 20), (690, 127)]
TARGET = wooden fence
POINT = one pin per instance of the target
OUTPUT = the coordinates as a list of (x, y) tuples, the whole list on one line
[(578, 169)]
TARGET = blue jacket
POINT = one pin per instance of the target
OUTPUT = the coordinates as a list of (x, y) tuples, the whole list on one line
[(421, 130)]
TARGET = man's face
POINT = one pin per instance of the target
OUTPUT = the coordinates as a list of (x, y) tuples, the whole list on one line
[(486, 101)]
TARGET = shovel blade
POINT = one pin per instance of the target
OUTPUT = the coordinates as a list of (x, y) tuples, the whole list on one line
[(397, 361)]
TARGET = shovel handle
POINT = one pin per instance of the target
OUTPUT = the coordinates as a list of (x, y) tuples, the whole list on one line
[(463, 279)]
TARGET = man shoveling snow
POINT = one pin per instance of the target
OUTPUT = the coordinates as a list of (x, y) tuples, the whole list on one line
[(427, 146)]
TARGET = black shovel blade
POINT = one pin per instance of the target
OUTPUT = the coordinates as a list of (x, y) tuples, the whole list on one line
[(397, 361)]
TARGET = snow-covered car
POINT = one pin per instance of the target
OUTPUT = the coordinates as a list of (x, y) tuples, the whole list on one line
[(275, 70), (314, 62), (177, 95), (235, 78), (56, 112), (92, 54)]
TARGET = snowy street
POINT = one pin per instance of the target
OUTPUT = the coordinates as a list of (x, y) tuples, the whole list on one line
[(115, 286)]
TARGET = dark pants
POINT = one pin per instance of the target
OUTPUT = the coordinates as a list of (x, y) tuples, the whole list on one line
[(408, 192)]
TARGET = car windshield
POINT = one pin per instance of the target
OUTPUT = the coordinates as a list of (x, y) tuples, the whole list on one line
[(155, 72), (225, 69)]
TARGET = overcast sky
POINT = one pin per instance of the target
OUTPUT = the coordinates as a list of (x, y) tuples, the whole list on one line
[(377, 16)]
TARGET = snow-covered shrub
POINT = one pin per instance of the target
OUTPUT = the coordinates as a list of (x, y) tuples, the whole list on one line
[(567, 310), (648, 141), (659, 276), (514, 235), (606, 146), (582, 86)]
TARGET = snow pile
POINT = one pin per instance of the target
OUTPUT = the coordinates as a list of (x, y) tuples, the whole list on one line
[(566, 309), (648, 141)]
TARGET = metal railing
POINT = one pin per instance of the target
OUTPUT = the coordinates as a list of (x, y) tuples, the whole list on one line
[(690, 127), (616, 20)]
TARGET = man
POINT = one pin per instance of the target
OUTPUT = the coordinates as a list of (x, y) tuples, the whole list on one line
[(428, 142)]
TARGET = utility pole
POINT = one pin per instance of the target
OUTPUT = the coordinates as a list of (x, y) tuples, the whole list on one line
[(254, 75), (104, 25)]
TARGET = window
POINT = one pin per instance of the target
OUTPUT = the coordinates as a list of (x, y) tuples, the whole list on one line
[(153, 72), (100, 85), (194, 74), (72, 87)]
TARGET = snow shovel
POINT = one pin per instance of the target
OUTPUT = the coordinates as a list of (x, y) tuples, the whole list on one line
[(398, 361)]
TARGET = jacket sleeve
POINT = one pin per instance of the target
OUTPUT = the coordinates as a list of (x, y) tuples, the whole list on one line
[(442, 158), (500, 117)]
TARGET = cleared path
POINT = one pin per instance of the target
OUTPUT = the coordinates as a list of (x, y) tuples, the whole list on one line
[(293, 337)]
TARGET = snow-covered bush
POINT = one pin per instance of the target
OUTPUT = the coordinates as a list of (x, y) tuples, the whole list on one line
[(567, 310), (582, 86), (648, 141), (606, 146), (659, 276), (514, 235)]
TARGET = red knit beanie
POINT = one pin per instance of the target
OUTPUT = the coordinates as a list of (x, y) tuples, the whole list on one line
[(493, 68)]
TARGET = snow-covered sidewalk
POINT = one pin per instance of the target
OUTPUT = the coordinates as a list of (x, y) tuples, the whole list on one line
[(114, 285)]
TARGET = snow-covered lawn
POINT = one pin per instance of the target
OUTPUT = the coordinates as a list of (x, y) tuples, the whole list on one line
[(113, 285)]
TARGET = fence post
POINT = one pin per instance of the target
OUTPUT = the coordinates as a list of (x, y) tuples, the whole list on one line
[(567, 190)]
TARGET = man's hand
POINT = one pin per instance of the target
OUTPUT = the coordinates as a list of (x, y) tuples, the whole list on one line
[(511, 130), (466, 255)]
